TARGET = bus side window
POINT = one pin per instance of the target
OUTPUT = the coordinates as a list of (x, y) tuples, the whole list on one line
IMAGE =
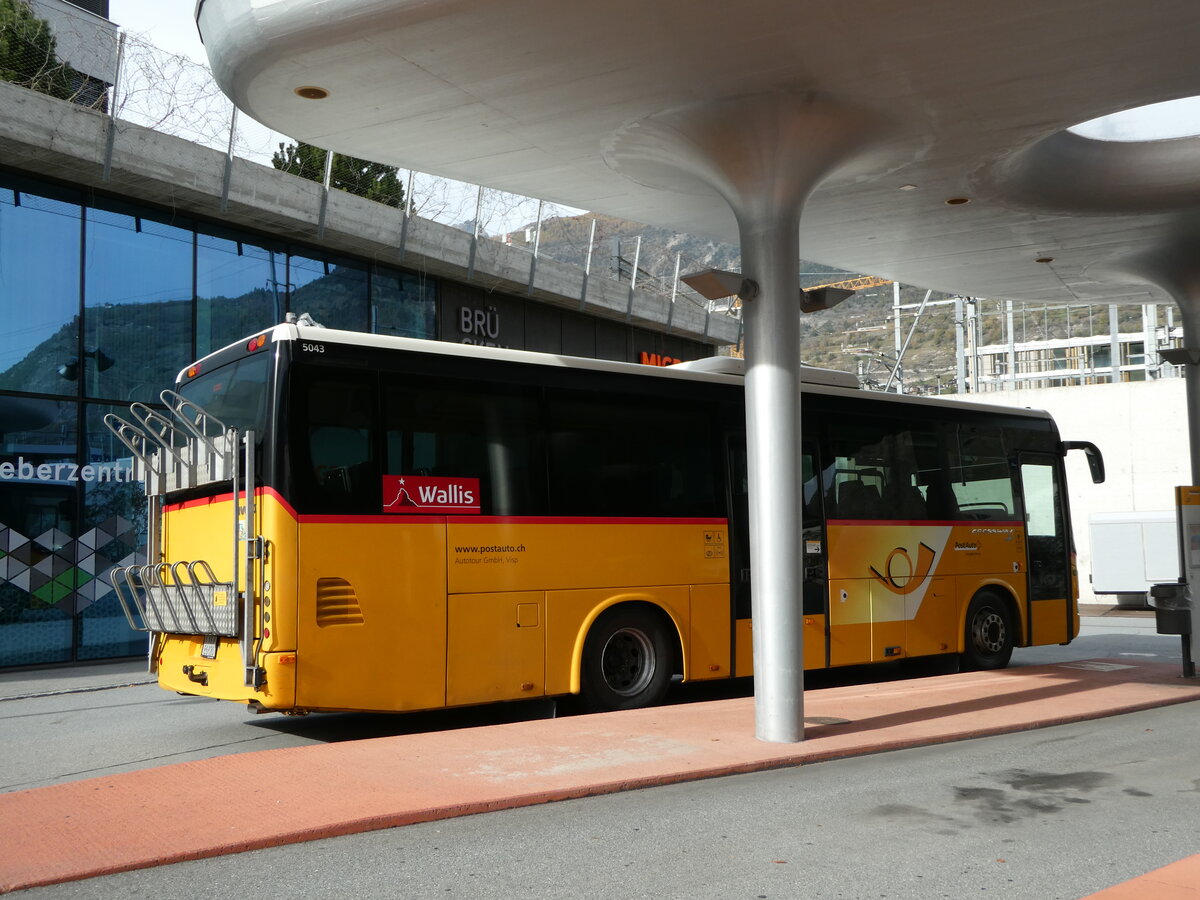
[(618, 455), (336, 432), (980, 475), (877, 471), (336, 450)]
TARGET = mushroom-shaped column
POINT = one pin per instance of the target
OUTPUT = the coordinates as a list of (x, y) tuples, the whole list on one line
[(1189, 308), (764, 155), (1175, 267)]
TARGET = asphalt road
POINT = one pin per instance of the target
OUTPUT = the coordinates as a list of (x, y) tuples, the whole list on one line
[(1059, 812)]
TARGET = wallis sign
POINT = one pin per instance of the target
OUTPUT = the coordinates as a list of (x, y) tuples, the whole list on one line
[(424, 495)]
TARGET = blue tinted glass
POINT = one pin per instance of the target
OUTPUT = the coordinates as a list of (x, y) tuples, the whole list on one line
[(40, 568), (138, 310), (335, 294), (104, 632), (403, 304), (239, 290), (39, 293), (114, 532)]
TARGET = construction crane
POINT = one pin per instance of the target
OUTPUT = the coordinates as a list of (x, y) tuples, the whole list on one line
[(861, 283)]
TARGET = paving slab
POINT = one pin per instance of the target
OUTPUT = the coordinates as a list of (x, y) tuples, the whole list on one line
[(249, 801)]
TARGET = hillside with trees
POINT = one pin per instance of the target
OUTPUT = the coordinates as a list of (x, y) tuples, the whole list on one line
[(857, 333)]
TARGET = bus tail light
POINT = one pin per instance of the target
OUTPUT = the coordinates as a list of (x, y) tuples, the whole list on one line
[(256, 343)]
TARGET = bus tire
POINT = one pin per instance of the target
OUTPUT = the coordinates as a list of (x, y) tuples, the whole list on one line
[(989, 633), (626, 660)]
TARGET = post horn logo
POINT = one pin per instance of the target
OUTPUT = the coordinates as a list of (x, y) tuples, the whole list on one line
[(910, 577)]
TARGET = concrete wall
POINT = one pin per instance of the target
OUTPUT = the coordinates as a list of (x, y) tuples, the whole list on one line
[(57, 139), (1142, 430)]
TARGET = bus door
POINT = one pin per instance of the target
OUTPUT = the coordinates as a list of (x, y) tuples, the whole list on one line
[(1049, 564), (814, 554), (816, 563), (739, 528)]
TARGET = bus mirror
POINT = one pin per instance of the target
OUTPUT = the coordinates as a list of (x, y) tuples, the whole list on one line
[(1095, 459)]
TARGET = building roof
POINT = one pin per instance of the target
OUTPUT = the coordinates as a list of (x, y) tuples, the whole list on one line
[(952, 99)]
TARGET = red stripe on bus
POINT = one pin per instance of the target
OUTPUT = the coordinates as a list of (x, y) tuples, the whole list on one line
[(375, 518), (501, 520), (581, 520), (228, 496), (278, 498), (980, 523), (203, 501)]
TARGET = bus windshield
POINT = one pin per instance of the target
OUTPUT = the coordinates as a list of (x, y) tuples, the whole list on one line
[(235, 393)]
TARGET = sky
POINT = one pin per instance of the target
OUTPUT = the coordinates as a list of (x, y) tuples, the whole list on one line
[(1158, 121), (168, 24)]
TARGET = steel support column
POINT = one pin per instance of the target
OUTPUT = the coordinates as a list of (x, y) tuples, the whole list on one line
[(772, 319), (1189, 309)]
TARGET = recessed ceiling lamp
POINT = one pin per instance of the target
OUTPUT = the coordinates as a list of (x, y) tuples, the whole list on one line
[(958, 201), (908, 187), (311, 92), (1045, 259)]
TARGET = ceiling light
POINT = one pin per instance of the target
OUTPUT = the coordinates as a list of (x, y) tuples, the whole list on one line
[(311, 92)]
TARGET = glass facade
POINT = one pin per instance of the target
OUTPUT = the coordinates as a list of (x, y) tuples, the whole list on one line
[(103, 302)]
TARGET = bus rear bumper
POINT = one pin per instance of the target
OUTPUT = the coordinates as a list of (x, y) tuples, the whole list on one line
[(183, 669)]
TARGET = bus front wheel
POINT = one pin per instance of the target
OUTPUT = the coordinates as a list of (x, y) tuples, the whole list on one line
[(626, 660), (989, 637)]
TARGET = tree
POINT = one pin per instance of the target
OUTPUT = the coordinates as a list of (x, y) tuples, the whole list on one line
[(29, 52), (374, 181)]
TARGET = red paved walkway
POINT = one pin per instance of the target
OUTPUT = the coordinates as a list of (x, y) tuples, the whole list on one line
[(246, 801), (1178, 881)]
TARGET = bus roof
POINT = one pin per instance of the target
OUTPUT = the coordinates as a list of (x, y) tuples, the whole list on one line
[(720, 370)]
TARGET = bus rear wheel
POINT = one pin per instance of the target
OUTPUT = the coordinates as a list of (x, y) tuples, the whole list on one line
[(989, 637), (626, 660)]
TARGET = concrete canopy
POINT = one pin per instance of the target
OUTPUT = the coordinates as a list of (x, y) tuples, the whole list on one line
[(968, 99), (926, 142)]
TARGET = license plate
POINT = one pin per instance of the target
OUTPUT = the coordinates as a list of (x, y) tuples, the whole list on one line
[(209, 650)]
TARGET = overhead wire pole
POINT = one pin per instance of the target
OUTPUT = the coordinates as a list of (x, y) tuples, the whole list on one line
[(899, 343), (960, 346), (904, 349)]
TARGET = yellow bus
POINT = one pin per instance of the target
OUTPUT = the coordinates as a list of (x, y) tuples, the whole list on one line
[(344, 521)]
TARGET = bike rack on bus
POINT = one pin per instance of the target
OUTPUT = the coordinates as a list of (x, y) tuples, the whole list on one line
[(185, 597)]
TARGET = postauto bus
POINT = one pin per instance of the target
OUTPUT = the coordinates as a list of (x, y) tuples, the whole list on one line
[(342, 521)]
